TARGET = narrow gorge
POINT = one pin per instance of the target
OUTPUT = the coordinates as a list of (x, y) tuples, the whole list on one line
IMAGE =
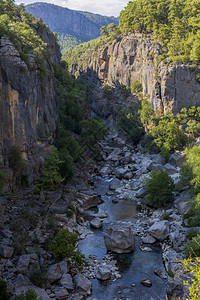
[(99, 164)]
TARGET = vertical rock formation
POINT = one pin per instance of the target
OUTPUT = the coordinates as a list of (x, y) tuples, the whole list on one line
[(28, 104), (134, 57)]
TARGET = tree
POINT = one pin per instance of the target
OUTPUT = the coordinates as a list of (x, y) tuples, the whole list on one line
[(51, 177), (159, 188)]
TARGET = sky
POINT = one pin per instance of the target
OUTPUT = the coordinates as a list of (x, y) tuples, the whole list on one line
[(102, 7)]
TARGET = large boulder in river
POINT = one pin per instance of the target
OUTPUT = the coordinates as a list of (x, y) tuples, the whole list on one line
[(159, 230), (119, 238)]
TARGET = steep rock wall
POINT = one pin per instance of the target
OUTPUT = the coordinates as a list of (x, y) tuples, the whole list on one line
[(133, 57), (28, 107)]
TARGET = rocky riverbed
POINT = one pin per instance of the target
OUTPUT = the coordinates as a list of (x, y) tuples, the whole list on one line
[(114, 188)]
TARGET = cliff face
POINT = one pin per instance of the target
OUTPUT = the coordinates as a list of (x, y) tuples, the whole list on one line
[(133, 57), (28, 106), (64, 20)]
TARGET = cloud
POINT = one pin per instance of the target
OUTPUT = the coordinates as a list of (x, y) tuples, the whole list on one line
[(103, 7)]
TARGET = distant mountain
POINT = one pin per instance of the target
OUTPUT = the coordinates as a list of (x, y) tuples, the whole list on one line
[(72, 27)]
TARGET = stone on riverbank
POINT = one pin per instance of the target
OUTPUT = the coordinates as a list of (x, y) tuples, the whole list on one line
[(83, 284), (159, 230)]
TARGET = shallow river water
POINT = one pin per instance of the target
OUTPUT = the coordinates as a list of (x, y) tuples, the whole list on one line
[(134, 266)]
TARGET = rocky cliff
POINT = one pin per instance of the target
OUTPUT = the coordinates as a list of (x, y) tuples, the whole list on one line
[(64, 20), (133, 57), (28, 105)]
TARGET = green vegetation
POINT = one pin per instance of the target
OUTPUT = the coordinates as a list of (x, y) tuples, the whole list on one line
[(3, 290), (93, 131), (3, 179), (136, 87), (28, 295), (16, 161), (193, 267), (63, 246), (24, 31), (159, 188), (51, 176), (174, 23), (192, 248), (38, 275), (129, 123)]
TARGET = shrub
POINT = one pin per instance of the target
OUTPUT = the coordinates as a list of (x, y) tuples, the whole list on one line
[(146, 112), (193, 166), (93, 131), (51, 177), (107, 92), (192, 248), (193, 214), (3, 179), (64, 246), (131, 126), (38, 275), (66, 166), (28, 295), (16, 161), (159, 188), (193, 267), (136, 87), (3, 290)]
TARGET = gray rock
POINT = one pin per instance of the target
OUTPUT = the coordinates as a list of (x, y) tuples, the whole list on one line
[(148, 239), (83, 284), (177, 159), (147, 282), (6, 251), (141, 193), (22, 284), (23, 263), (61, 294), (103, 273), (120, 172), (161, 274), (66, 281), (170, 169), (159, 230), (115, 184), (56, 271), (96, 223), (105, 171), (119, 238), (146, 249), (128, 175)]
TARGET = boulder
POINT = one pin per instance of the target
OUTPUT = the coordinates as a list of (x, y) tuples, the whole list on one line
[(120, 172), (6, 251), (66, 282), (23, 263), (141, 193), (105, 171), (103, 273), (148, 239), (61, 294), (82, 284), (114, 184), (159, 230), (96, 223), (56, 271), (128, 175), (177, 159), (119, 238)]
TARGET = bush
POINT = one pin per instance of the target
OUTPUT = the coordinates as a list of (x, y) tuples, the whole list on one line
[(193, 214), (146, 112), (64, 246), (3, 290), (192, 248), (136, 87), (131, 126), (3, 179), (66, 166), (16, 161), (93, 131), (193, 267), (193, 166), (38, 275), (159, 188), (107, 92), (29, 295)]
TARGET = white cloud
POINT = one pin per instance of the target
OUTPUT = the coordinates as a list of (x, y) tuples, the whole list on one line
[(103, 7)]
